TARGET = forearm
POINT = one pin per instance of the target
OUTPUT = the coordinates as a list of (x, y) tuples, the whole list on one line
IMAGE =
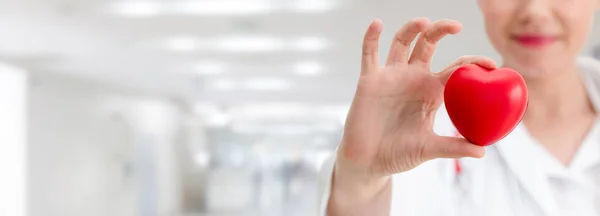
[(353, 197)]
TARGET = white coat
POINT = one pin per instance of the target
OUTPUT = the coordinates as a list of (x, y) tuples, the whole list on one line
[(516, 177)]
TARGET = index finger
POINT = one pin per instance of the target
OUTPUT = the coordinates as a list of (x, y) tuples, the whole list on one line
[(370, 49)]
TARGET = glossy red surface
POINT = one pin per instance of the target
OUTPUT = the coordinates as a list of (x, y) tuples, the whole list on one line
[(485, 105)]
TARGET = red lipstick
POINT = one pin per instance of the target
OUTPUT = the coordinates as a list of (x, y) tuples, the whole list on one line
[(535, 41)]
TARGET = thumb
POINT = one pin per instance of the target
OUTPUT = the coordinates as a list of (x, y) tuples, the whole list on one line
[(482, 61), (451, 147)]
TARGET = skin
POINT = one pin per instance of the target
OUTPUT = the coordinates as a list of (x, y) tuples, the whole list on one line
[(389, 127), (560, 113)]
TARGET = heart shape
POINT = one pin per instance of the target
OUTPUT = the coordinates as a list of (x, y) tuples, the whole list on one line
[(485, 105)]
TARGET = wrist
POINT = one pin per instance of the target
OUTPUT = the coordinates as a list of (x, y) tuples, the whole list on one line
[(354, 183)]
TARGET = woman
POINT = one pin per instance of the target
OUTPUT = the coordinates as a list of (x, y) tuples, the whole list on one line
[(394, 159)]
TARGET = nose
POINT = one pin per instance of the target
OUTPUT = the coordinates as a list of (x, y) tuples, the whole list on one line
[(535, 11)]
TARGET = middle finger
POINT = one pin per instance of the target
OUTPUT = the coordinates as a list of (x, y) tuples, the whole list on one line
[(400, 48), (427, 42)]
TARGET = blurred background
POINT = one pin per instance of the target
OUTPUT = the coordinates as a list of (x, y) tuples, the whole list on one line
[(186, 107)]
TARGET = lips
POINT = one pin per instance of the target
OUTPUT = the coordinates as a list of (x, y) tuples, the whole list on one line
[(535, 41)]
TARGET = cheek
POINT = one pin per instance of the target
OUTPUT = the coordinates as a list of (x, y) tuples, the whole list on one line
[(495, 32), (497, 18), (576, 21)]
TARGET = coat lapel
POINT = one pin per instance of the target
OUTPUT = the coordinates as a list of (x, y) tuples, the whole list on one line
[(522, 159)]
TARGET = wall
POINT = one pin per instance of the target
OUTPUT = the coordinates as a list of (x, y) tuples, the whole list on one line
[(89, 144)]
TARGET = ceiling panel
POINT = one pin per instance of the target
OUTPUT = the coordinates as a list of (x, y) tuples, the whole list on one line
[(78, 37)]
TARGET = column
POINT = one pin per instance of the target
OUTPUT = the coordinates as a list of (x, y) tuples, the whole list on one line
[(13, 146)]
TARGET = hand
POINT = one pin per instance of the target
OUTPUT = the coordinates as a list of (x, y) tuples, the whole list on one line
[(389, 126)]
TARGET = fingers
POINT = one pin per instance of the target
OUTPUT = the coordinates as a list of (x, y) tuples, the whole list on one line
[(370, 56), (464, 60), (427, 42), (451, 147), (400, 48)]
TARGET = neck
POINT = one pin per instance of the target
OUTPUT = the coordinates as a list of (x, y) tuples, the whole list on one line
[(557, 97)]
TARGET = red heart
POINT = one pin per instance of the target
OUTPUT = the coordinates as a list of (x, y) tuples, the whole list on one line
[(485, 105)]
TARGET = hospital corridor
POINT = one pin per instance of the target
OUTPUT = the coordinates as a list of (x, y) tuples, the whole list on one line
[(188, 107)]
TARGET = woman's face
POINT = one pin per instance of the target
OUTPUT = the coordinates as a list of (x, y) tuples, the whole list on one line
[(538, 37)]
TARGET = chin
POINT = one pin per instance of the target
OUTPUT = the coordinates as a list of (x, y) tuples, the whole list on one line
[(536, 73), (540, 66)]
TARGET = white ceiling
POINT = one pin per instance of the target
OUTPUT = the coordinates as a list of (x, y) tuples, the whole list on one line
[(79, 37)]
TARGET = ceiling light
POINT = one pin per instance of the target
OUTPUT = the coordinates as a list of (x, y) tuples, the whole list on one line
[(145, 8), (244, 44), (136, 8), (309, 44), (274, 129), (249, 44), (252, 84), (221, 7), (313, 5), (223, 84), (308, 68), (217, 120), (270, 111), (209, 68), (266, 84), (182, 43)]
